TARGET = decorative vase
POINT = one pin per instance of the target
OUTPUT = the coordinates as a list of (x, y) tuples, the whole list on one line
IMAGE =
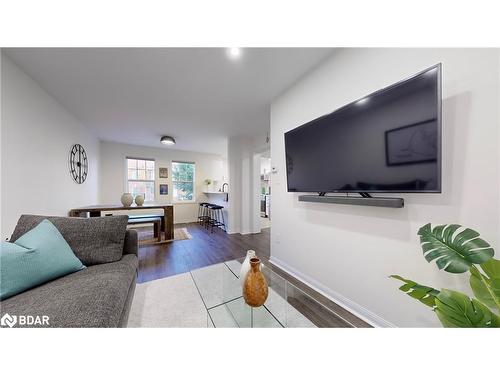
[(245, 266), (139, 200), (255, 289), (127, 199)]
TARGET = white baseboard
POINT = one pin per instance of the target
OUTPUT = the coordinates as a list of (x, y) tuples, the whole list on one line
[(351, 306), (242, 231), (249, 232)]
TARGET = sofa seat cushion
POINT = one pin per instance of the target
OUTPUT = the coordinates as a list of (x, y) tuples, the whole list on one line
[(93, 240), (93, 297)]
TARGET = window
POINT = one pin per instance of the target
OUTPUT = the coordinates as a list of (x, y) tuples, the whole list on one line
[(183, 181), (141, 178)]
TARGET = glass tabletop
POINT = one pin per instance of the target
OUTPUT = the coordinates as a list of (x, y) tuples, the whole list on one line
[(286, 305)]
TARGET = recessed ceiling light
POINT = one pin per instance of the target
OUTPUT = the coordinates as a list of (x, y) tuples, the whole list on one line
[(234, 53), (167, 140)]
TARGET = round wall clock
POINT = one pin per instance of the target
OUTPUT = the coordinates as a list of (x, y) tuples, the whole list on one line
[(78, 164)]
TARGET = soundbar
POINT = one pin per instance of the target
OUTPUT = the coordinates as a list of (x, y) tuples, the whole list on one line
[(357, 201)]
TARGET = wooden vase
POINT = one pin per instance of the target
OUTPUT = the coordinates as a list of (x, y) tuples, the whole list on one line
[(255, 289)]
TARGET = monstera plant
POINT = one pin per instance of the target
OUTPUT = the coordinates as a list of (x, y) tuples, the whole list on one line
[(457, 250)]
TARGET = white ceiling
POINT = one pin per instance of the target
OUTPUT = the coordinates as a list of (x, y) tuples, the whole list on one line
[(197, 95)]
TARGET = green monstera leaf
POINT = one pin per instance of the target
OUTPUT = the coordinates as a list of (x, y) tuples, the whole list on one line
[(455, 309), (487, 288), (492, 268), (424, 294), (454, 250)]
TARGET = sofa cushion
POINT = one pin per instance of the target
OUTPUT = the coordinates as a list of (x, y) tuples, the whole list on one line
[(93, 240), (93, 297), (36, 257)]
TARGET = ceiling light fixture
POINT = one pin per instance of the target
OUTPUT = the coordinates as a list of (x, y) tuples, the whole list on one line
[(234, 53), (167, 140)]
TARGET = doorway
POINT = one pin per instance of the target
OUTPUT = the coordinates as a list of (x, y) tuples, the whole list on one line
[(265, 191)]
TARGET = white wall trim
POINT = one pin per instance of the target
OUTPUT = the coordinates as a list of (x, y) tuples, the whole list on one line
[(245, 232), (344, 302)]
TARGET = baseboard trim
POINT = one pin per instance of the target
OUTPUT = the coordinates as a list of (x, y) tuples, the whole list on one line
[(245, 233), (344, 302)]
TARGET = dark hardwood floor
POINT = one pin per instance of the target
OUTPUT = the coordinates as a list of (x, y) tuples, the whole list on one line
[(205, 249)]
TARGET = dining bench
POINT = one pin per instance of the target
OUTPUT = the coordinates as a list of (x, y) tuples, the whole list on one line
[(156, 220)]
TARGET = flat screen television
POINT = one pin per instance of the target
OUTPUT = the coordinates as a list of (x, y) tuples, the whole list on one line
[(388, 141)]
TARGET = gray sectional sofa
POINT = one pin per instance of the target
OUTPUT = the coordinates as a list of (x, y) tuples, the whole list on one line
[(99, 295)]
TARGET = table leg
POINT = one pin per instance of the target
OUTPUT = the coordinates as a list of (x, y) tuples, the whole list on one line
[(169, 222), (158, 231)]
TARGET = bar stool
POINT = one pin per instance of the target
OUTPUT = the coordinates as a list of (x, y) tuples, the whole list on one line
[(216, 217), (203, 215), (209, 214)]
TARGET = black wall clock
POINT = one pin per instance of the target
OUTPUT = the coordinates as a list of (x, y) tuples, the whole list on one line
[(78, 164)]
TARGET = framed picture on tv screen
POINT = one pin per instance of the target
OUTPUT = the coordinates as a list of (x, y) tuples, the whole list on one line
[(412, 144)]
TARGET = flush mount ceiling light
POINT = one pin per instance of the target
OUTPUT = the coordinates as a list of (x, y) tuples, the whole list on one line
[(234, 53), (167, 140)]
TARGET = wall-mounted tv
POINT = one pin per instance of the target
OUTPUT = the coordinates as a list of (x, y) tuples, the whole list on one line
[(388, 141)]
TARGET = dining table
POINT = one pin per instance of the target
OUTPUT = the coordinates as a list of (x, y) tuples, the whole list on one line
[(97, 210)]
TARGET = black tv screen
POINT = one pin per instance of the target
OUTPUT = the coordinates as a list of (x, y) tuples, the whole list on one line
[(388, 141)]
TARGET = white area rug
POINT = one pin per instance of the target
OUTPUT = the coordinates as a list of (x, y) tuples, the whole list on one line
[(170, 302), (182, 301)]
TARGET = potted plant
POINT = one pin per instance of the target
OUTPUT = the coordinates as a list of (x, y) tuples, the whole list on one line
[(459, 250), (207, 182)]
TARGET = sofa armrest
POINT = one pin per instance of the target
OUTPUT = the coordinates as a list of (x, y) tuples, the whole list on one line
[(131, 245)]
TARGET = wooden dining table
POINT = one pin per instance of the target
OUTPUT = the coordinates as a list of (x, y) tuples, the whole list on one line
[(96, 211)]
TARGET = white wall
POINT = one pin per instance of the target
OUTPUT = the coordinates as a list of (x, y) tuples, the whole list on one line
[(113, 175), (1, 131), (37, 134), (265, 165), (347, 252)]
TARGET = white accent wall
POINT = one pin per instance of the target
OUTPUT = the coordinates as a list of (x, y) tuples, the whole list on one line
[(37, 134), (113, 176), (348, 252)]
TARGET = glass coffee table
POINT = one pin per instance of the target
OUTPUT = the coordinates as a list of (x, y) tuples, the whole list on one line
[(286, 305)]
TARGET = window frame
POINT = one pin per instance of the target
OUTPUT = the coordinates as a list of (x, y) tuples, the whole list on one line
[(127, 180), (174, 181)]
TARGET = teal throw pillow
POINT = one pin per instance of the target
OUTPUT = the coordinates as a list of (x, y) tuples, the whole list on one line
[(40, 255)]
